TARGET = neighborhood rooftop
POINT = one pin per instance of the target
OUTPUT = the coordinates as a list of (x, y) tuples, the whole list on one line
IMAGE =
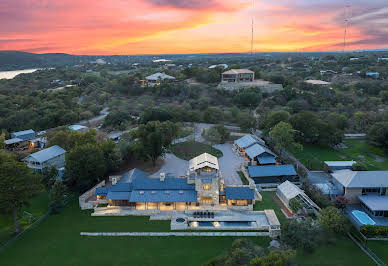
[(257, 149), (46, 154), (271, 170), (238, 71), (361, 179), (339, 163), (245, 141), (289, 189), (239, 193), (159, 75), (375, 202)]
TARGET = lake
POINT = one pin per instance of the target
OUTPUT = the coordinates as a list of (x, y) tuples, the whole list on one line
[(14, 73)]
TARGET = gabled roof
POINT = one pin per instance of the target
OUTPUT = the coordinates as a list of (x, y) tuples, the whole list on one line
[(12, 141), (160, 76), (340, 163), (238, 71), (271, 170), (46, 154), (266, 159), (21, 133), (257, 149), (77, 127), (289, 189), (239, 193), (169, 183), (203, 160), (245, 141), (361, 179), (131, 175)]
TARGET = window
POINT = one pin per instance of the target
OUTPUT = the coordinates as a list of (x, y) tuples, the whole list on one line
[(207, 187)]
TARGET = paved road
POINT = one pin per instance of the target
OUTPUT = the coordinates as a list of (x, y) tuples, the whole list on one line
[(229, 164)]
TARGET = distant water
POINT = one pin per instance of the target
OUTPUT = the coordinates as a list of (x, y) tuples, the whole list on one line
[(14, 73)]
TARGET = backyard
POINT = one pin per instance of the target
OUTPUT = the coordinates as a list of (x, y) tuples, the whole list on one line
[(56, 241), (190, 149), (313, 156)]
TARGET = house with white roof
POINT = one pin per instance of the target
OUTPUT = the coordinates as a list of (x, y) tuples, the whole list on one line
[(47, 158), (157, 78), (79, 128), (339, 165)]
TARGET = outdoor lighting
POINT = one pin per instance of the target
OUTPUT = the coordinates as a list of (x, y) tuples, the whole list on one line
[(194, 224), (216, 224)]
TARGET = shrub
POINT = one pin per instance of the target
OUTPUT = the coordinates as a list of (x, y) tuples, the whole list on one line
[(374, 230)]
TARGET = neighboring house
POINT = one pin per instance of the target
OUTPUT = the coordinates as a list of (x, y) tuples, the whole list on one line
[(24, 135), (202, 186), (372, 74), (339, 165), (219, 65), (356, 186), (328, 72), (382, 59), (238, 75), (288, 191), (254, 150), (47, 158), (273, 174), (78, 128), (157, 78), (15, 144)]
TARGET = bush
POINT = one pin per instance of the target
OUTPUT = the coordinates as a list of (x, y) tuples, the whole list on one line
[(374, 230)]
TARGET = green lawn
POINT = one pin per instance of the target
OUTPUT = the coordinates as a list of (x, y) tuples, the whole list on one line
[(190, 149), (268, 202), (38, 207), (380, 248), (313, 156), (244, 180)]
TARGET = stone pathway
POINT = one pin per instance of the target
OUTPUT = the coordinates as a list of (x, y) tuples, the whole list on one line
[(175, 234)]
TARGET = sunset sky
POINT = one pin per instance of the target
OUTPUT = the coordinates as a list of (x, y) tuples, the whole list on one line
[(189, 26)]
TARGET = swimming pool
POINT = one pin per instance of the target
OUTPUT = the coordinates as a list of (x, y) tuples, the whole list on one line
[(236, 223), (363, 218)]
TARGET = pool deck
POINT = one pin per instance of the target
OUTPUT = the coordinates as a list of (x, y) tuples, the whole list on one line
[(356, 222)]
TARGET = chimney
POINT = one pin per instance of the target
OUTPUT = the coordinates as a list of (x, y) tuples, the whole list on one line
[(162, 176)]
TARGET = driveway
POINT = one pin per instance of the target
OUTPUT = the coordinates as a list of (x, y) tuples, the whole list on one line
[(172, 166), (229, 164)]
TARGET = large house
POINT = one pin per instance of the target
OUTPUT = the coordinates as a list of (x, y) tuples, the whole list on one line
[(238, 75), (157, 78), (202, 186), (47, 158)]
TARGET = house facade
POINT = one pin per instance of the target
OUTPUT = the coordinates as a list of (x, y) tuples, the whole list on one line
[(47, 158), (238, 75), (203, 186)]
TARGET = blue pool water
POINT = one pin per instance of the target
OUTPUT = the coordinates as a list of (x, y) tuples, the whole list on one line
[(236, 223), (363, 218), (208, 224)]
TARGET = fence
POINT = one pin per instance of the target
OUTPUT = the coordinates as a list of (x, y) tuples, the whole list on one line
[(361, 243), (29, 228)]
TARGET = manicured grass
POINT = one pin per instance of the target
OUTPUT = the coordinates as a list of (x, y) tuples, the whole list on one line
[(244, 180), (269, 202), (190, 149), (56, 241), (380, 248), (38, 207), (374, 157)]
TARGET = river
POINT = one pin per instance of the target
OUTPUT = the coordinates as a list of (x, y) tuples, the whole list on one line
[(14, 73)]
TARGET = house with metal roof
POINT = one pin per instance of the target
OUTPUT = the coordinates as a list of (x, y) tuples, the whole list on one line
[(339, 165), (273, 174), (78, 128), (24, 135), (15, 144), (254, 150), (287, 191), (202, 186), (157, 78), (47, 158), (354, 184)]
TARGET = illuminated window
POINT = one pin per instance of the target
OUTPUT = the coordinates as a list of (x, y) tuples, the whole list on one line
[(206, 187)]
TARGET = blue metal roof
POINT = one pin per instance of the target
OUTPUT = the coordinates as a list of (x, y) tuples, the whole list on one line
[(257, 149), (101, 191), (265, 159), (121, 187), (239, 193), (245, 141), (271, 170), (163, 196), (24, 135), (131, 175), (46, 154), (118, 195), (155, 183)]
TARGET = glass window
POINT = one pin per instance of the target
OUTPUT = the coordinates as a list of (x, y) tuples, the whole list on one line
[(207, 187)]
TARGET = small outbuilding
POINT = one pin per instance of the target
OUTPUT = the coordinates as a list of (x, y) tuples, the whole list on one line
[(273, 174), (288, 191), (339, 165), (24, 135), (47, 158)]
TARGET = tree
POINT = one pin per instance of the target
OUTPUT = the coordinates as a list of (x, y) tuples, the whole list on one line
[(111, 155), (274, 258), (295, 205), (18, 184), (306, 123), (301, 233), (69, 139), (248, 97), (57, 197), (378, 134), (273, 119), (154, 138), (341, 202), (333, 220), (2, 144), (247, 122), (283, 136), (116, 119), (217, 134), (49, 176), (213, 115), (85, 165)]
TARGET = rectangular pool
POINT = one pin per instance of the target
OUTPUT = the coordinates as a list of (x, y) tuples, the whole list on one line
[(236, 223), (363, 218)]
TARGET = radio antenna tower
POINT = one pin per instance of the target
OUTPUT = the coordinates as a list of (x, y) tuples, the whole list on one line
[(253, 8), (346, 22)]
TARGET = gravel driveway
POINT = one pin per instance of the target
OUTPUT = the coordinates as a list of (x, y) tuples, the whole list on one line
[(229, 164), (172, 165)]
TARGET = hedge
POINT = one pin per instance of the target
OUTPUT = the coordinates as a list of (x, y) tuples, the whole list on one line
[(374, 230)]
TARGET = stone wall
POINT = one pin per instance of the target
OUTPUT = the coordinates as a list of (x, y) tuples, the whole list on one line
[(83, 199)]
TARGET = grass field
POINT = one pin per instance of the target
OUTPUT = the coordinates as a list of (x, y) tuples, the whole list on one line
[(56, 241), (38, 207), (313, 156), (268, 202), (190, 149), (244, 180), (380, 248)]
